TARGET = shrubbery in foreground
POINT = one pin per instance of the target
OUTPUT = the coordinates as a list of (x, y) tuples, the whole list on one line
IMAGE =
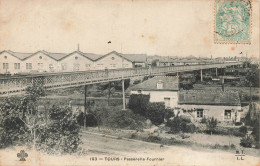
[(23, 121)]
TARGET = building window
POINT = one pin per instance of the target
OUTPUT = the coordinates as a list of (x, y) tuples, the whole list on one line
[(75, 67), (16, 66), (64, 66), (227, 114), (139, 91), (40, 57), (5, 57), (100, 65), (113, 58), (51, 68), (40, 65), (199, 113), (5, 65), (28, 66), (125, 65), (76, 57), (167, 102), (112, 65)]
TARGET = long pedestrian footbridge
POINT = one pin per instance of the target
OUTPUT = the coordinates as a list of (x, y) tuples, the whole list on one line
[(15, 85)]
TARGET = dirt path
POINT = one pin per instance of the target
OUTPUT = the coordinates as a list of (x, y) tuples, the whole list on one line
[(102, 150)]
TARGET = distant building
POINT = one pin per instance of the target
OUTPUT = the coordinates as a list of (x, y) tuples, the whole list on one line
[(43, 61), (176, 61), (115, 60)]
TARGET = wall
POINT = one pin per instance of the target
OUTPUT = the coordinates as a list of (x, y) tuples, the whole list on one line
[(158, 96), (74, 60), (112, 61), (42, 59), (213, 111), (10, 59)]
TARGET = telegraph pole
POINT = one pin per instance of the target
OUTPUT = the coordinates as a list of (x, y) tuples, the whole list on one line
[(85, 106), (123, 91)]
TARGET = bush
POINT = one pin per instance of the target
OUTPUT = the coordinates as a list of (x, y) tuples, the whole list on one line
[(227, 131), (247, 141), (243, 130), (133, 136), (137, 103), (204, 120), (183, 136), (255, 134), (155, 112), (216, 146), (212, 124), (155, 139), (115, 117), (62, 135), (238, 123), (52, 129), (232, 146), (190, 128), (179, 124), (91, 120)]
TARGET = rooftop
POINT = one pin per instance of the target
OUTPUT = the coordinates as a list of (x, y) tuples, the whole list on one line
[(60, 56), (208, 97), (170, 83)]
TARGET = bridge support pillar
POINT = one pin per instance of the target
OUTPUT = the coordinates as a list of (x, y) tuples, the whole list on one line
[(123, 92), (201, 76), (85, 106)]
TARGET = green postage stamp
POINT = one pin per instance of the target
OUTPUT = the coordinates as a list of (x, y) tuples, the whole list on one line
[(233, 21)]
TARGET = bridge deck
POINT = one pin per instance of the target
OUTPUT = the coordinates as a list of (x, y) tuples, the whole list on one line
[(17, 85)]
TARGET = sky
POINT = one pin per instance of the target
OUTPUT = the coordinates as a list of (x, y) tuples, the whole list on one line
[(155, 27)]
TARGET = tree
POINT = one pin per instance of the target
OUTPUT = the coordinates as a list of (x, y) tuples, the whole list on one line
[(25, 114), (23, 119), (180, 124), (138, 102), (212, 124), (252, 78), (255, 133), (62, 134), (155, 112)]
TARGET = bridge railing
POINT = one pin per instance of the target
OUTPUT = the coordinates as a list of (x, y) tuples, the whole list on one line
[(16, 85)]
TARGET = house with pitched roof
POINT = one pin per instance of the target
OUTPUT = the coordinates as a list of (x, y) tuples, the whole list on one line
[(222, 105), (161, 89)]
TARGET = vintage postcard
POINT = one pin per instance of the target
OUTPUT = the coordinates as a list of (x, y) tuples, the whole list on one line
[(129, 82)]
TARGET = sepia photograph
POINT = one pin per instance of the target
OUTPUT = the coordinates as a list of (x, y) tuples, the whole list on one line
[(129, 82)]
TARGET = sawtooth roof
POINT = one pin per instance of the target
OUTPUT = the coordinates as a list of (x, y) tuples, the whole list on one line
[(94, 57), (19, 55)]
